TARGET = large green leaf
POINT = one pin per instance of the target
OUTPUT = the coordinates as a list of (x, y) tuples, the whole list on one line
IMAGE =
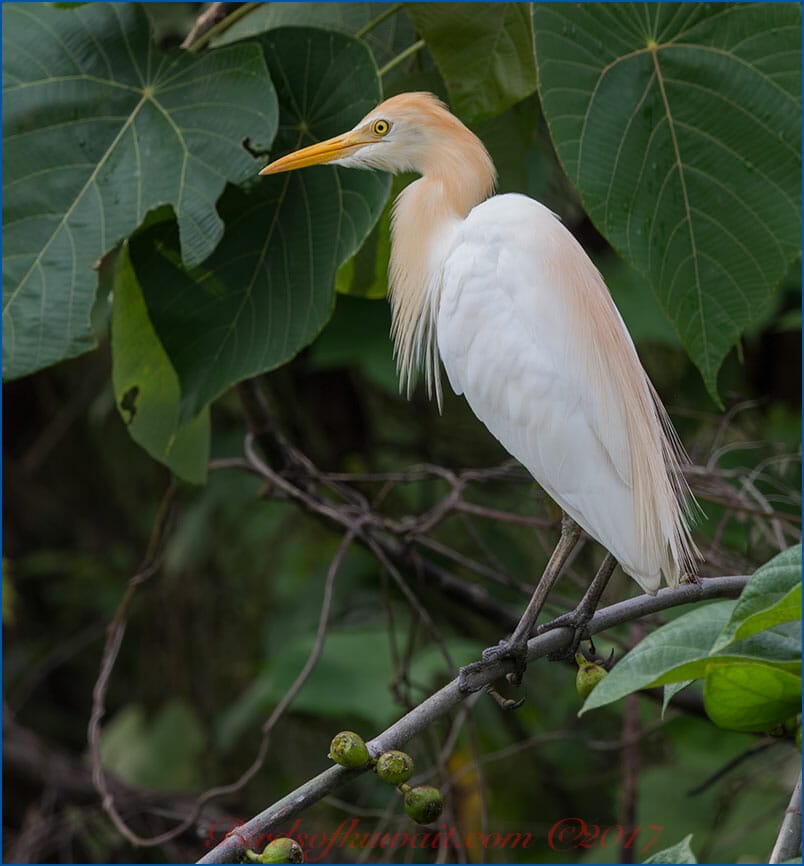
[(98, 128), (680, 126), (484, 52), (267, 290), (366, 274), (146, 386), (387, 30), (749, 696), (772, 596), (682, 650)]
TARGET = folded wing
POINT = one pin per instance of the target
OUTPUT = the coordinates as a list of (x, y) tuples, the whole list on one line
[(529, 334)]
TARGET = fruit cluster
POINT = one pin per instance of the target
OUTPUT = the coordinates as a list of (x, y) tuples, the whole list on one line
[(423, 803)]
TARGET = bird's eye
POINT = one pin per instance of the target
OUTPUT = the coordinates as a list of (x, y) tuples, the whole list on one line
[(380, 127)]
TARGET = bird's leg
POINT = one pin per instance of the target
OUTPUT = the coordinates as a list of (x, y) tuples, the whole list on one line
[(516, 647), (578, 619)]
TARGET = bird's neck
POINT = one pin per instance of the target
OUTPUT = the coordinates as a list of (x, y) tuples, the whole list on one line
[(426, 216)]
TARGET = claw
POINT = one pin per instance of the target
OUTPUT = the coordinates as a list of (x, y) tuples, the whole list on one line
[(504, 651), (504, 703)]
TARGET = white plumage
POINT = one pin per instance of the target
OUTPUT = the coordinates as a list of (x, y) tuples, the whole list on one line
[(527, 332), (507, 334)]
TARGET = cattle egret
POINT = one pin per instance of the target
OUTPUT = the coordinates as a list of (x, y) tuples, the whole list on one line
[(527, 331)]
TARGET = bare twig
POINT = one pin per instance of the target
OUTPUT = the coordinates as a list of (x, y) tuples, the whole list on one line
[(205, 20), (732, 764), (788, 842), (387, 13), (442, 701), (214, 20)]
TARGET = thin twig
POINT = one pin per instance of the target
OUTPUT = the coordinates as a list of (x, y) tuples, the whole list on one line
[(212, 22), (788, 842), (402, 57), (387, 13), (414, 602), (732, 764), (114, 638)]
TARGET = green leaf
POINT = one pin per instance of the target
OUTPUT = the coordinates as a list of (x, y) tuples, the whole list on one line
[(386, 39), (365, 275), (681, 650), (267, 290), (637, 306), (670, 691), (163, 753), (146, 386), (98, 128), (484, 52), (680, 126), (748, 696), (679, 853), (772, 596)]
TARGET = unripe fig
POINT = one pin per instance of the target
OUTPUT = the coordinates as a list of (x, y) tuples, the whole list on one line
[(588, 676), (348, 749), (395, 767), (423, 804), (282, 850)]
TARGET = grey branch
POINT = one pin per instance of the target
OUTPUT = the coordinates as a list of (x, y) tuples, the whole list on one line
[(252, 833), (207, 20), (788, 842)]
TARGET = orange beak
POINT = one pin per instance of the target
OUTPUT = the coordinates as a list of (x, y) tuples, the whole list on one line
[(317, 154)]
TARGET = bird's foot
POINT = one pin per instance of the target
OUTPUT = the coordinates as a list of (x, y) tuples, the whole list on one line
[(576, 620), (504, 651)]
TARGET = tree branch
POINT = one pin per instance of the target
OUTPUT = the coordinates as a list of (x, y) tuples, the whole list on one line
[(788, 842), (441, 702), (214, 20)]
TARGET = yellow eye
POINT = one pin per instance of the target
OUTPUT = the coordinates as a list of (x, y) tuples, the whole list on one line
[(380, 127)]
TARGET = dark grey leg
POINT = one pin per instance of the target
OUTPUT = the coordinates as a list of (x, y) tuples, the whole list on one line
[(578, 619), (516, 647)]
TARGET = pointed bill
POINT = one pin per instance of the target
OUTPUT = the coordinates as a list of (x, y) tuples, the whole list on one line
[(317, 154)]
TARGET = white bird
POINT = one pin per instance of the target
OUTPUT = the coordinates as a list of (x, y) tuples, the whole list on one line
[(528, 332)]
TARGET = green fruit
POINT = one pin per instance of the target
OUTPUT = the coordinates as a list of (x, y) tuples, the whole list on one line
[(282, 850), (348, 749), (395, 767), (588, 676), (423, 804)]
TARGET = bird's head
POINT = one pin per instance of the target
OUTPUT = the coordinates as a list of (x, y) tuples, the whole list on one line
[(408, 132)]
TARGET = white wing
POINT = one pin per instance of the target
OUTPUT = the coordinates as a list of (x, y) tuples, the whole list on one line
[(529, 334)]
